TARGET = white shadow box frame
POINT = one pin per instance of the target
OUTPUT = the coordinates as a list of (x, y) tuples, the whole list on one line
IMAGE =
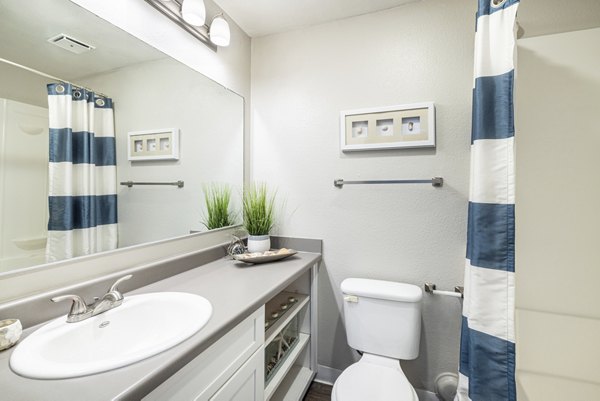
[(389, 127), (154, 144)]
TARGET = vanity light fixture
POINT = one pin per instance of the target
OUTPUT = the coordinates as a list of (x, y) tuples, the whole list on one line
[(191, 16)]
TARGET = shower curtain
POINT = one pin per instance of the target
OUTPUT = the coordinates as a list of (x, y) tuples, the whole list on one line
[(82, 197), (487, 355)]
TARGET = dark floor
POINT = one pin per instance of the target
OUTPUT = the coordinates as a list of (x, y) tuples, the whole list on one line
[(318, 392)]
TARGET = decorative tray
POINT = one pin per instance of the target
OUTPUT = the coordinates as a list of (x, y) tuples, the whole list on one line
[(264, 257)]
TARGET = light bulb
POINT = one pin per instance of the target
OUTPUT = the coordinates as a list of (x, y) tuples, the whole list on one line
[(219, 32), (193, 12)]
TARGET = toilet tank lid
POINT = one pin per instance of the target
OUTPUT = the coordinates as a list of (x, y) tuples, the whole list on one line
[(380, 289)]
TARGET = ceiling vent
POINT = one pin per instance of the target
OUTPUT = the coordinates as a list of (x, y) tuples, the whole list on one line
[(71, 44)]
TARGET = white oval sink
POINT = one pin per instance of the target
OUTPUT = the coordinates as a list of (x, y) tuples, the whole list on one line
[(142, 326)]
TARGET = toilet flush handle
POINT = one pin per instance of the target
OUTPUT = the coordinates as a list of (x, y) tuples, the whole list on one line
[(351, 298)]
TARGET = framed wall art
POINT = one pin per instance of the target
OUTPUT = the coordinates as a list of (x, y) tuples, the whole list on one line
[(390, 127)]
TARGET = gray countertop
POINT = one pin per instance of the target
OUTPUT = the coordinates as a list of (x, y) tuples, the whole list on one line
[(234, 289)]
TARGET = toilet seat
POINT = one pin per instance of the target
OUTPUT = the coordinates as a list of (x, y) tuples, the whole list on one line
[(373, 378)]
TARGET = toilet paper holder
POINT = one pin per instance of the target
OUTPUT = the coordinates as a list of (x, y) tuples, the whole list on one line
[(431, 288)]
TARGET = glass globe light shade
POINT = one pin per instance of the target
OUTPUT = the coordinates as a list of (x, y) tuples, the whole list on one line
[(219, 33), (193, 12)]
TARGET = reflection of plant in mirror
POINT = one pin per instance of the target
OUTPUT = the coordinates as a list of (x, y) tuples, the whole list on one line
[(258, 207), (217, 198)]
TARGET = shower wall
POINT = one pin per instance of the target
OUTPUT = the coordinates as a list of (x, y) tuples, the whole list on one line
[(557, 198), (23, 184)]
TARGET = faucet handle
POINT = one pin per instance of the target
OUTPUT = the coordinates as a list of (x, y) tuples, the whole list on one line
[(114, 289), (78, 307)]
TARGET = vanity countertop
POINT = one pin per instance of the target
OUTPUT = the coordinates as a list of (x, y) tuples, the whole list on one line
[(234, 289)]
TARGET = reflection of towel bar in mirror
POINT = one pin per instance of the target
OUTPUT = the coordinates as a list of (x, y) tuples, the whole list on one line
[(178, 184), (435, 181)]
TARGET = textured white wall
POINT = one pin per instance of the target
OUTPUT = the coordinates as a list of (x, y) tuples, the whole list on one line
[(558, 193), (409, 233)]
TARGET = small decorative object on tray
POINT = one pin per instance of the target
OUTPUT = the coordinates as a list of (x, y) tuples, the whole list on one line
[(236, 246), (267, 256)]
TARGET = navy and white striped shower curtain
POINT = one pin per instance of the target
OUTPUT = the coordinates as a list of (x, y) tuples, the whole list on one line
[(487, 356), (82, 189)]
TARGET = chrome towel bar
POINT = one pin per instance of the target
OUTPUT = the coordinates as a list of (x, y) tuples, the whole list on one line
[(435, 181)]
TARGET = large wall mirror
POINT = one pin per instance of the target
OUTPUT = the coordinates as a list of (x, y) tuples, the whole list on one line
[(149, 92)]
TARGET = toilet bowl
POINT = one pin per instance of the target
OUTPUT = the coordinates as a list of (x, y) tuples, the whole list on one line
[(383, 321), (373, 378)]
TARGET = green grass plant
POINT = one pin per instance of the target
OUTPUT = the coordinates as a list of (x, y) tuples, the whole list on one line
[(259, 212), (217, 198)]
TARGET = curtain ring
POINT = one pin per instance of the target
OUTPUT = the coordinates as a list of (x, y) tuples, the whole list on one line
[(497, 3), (77, 95), (100, 102), (60, 89)]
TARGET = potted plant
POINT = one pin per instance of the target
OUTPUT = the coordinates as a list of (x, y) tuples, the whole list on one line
[(217, 198), (259, 212)]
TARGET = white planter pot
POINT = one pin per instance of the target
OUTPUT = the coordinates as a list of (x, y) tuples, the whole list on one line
[(259, 243)]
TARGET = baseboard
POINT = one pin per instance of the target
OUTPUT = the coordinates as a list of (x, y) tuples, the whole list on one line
[(327, 375)]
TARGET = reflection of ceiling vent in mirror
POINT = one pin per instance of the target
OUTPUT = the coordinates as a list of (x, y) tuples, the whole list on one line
[(71, 44)]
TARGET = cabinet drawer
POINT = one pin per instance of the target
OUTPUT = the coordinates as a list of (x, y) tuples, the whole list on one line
[(247, 384), (204, 375)]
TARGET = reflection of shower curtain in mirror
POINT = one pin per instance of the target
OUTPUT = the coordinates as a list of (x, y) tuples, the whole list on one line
[(82, 197)]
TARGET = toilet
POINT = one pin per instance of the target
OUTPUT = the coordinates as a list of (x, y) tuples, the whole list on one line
[(383, 321)]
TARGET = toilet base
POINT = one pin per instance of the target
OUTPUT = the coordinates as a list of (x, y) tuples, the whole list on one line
[(373, 378)]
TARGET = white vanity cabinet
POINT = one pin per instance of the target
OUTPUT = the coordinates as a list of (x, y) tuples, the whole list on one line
[(247, 384), (231, 367), (235, 367)]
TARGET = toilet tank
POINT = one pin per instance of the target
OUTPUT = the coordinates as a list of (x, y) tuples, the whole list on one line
[(383, 317)]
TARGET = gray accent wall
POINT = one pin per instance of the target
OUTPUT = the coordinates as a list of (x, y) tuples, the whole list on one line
[(301, 80)]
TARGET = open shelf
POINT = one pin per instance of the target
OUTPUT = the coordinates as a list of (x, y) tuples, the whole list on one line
[(288, 315), (286, 366), (294, 385)]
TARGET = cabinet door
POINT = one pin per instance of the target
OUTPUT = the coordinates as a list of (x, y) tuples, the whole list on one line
[(247, 384), (210, 370)]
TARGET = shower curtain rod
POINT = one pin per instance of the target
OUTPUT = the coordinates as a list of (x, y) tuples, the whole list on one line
[(43, 74)]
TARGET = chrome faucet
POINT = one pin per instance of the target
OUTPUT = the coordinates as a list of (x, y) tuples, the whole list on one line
[(81, 311), (111, 299)]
